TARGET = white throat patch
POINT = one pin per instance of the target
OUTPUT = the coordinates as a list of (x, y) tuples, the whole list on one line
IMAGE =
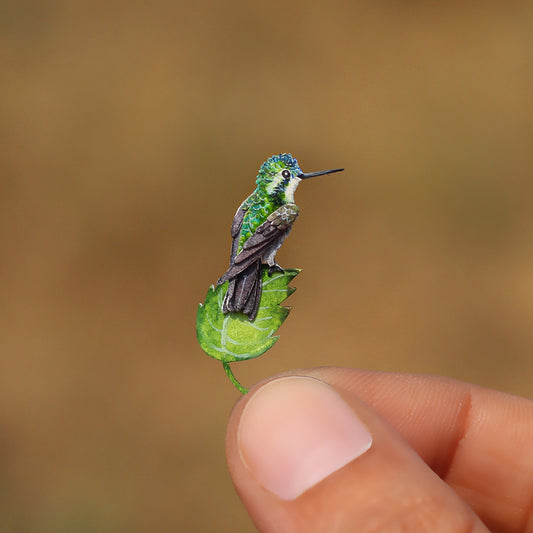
[(291, 187)]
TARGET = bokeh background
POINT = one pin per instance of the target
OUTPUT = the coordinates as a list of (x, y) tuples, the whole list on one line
[(131, 131)]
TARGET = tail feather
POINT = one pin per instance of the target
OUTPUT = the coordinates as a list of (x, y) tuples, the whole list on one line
[(252, 304), (244, 292)]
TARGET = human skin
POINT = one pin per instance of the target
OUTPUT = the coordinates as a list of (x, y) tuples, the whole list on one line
[(337, 450)]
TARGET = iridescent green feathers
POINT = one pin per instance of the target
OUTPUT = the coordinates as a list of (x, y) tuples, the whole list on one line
[(275, 164), (269, 194)]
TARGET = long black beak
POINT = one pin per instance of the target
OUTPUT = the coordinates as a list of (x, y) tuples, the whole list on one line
[(303, 176)]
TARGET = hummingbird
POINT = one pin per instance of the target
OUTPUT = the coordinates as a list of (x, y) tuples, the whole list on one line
[(261, 224)]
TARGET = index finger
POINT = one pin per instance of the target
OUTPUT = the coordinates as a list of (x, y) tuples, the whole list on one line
[(478, 440)]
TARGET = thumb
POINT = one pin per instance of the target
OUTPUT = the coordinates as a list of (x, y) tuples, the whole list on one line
[(305, 459)]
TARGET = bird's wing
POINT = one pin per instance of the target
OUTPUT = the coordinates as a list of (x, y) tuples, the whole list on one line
[(236, 231), (266, 235)]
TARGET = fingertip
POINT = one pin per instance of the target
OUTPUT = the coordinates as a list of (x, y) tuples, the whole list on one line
[(296, 431)]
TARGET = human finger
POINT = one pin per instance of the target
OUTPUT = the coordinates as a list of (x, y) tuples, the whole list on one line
[(305, 457), (480, 441)]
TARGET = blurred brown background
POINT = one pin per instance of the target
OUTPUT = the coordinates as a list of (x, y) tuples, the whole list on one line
[(131, 131)]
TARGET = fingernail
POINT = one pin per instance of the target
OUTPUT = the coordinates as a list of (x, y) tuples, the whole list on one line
[(296, 431)]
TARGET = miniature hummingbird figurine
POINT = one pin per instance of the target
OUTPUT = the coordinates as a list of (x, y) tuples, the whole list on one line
[(259, 228)]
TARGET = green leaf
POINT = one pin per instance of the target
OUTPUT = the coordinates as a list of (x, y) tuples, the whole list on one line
[(232, 337)]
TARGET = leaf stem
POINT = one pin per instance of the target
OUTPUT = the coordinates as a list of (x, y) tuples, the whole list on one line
[(233, 379)]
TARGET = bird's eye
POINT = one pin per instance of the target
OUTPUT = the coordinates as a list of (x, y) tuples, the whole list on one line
[(286, 174)]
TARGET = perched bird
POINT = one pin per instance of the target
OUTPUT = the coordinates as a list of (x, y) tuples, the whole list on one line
[(259, 228)]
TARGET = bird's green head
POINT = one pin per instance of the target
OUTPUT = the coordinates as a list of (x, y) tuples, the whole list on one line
[(280, 174), (272, 169)]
